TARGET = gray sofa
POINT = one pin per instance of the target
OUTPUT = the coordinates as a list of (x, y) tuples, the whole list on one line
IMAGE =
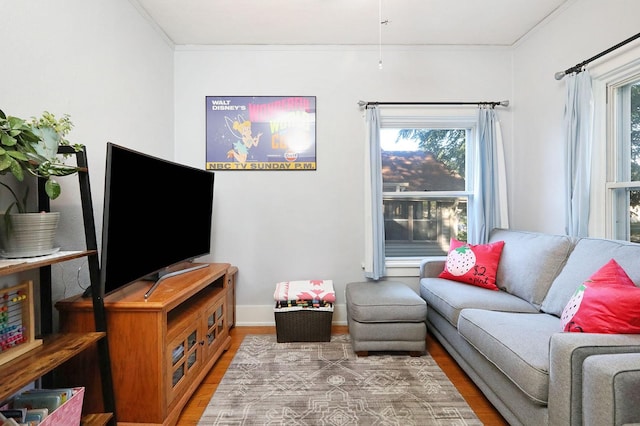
[(510, 342)]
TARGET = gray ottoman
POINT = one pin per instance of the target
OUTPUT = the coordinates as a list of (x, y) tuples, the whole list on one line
[(386, 316)]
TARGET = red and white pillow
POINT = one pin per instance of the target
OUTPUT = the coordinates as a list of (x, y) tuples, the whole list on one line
[(608, 302), (473, 264)]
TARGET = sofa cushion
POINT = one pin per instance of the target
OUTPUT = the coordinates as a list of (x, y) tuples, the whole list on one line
[(474, 264), (586, 258), (530, 261), (450, 297), (516, 343), (608, 302)]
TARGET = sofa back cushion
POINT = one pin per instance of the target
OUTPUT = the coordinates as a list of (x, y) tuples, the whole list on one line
[(530, 262), (589, 255)]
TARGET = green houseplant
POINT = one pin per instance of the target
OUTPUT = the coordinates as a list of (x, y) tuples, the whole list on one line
[(29, 147)]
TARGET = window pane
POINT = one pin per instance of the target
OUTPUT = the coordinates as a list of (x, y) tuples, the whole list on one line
[(634, 216), (626, 199), (423, 161), (634, 195), (423, 228), (635, 136)]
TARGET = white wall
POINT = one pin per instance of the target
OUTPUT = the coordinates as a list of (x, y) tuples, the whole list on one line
[(101, 62), (279, 226), (580, 31)]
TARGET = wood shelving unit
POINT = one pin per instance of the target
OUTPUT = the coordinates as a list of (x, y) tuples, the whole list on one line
[(13, 266), (54, 351), (40, 363)]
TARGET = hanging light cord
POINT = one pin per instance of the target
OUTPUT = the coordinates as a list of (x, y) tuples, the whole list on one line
[(381, 23), (380, 34)]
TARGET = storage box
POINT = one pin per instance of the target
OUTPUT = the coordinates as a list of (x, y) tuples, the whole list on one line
[(304, 310), (303, 325), (69, 413)]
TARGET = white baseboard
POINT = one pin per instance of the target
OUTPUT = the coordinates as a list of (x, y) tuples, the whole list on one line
[(262, 315)]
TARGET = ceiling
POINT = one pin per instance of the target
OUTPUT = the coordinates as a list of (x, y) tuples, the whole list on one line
[(347, 22)]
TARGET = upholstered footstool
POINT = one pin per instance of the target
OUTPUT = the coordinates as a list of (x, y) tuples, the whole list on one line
[(386, 316)]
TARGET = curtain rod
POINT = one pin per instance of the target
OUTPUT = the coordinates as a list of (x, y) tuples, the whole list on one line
[(578, 67), (492, 104)]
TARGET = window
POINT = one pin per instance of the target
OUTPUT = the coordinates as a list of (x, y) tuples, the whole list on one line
[(624, 150), (427, 183)]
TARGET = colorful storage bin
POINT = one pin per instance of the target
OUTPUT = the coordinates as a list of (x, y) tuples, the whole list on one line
[(304, 310)]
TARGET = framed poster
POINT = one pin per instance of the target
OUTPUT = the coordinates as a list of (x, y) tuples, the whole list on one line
[(261, 132)]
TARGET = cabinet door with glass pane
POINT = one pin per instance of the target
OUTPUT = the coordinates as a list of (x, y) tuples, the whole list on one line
[(185, 355), (216, 329)]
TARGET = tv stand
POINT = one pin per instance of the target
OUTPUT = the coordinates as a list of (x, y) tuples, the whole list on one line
[(173, 274), (161, 348)]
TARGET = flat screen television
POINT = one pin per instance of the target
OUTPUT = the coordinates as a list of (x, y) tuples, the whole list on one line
[(157, 214)]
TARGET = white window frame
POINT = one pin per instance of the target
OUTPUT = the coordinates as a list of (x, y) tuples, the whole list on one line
[(460, 117), (618, 146), (606, 77)]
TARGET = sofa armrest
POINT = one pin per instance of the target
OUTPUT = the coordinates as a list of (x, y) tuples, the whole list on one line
[(568, 351), (431, 267), (610, 389)]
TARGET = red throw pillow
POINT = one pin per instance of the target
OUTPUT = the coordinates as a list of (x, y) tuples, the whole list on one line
[(608, 302), (473, 264)]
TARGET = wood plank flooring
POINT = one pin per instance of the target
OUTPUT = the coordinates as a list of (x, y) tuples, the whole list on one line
[(198, 402)]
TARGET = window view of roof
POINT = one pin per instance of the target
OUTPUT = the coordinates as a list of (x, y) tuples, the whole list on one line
[(417, 171)]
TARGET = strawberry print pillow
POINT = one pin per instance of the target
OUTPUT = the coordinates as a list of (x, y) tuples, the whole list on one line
[(608, 302), (473, 264)]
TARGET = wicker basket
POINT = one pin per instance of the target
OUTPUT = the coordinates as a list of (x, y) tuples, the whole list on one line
[(304, 325)]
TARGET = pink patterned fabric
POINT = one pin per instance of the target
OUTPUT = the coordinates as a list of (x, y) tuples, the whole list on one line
[(305, 290)]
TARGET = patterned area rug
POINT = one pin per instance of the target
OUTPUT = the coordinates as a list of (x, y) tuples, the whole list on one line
[(325, 383)]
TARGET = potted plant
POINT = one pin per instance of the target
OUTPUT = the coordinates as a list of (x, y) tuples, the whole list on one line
[(29, 147)]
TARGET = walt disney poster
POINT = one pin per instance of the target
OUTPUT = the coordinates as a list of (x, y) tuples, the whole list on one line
[(261, 132)]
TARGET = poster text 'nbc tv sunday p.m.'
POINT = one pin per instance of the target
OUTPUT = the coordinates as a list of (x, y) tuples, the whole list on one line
[(261, 132)]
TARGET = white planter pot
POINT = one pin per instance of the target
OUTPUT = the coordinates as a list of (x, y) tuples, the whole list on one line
[(30, 234)]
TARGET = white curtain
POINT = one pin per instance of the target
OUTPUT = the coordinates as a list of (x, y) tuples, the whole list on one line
[(578, 123), (490, 200), (374, 266)]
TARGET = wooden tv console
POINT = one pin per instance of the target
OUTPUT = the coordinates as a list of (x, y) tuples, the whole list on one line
[(161, 348)]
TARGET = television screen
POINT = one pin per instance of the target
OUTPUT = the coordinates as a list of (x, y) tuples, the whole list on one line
[(157, 214)]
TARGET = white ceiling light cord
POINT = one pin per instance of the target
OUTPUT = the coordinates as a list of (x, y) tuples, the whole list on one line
[(380, 34)]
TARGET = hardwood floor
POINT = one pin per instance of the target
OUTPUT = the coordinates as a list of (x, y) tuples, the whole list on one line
[(198, 402)]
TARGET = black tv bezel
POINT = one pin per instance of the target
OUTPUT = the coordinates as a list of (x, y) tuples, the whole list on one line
[(155, 273)]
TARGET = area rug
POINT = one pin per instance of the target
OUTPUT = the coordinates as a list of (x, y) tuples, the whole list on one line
[(325, 383)]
